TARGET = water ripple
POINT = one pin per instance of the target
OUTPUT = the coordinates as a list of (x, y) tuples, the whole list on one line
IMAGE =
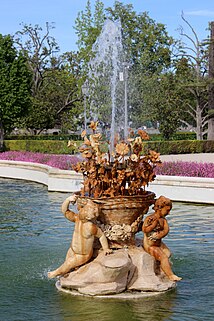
[(35, 237)]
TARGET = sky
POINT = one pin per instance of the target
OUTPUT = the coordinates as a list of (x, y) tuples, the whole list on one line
[(64, 12)]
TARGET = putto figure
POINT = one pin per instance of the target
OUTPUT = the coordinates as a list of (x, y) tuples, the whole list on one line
[(81, 248), (155, 227)]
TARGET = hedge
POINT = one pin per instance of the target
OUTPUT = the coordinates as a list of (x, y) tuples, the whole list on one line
[(43, 146), (153, 137), (176, 136), (180, 146), (44, 137), (162, 147)]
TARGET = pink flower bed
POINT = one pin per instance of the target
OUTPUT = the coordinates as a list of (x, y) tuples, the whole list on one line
[(191, 169), (58, 161), (178, 168)]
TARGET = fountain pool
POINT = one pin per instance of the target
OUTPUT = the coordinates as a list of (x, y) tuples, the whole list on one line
[(35, 238)]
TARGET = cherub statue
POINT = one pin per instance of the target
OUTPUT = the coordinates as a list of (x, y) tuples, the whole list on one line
[(81, 248), (155, 227)]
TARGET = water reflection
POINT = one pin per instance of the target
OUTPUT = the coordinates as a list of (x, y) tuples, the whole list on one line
[(159, 308)]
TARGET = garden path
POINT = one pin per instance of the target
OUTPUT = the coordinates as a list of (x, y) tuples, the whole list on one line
[(199, 158)]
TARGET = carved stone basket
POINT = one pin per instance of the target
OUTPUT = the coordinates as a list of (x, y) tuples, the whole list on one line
[(121, 216)]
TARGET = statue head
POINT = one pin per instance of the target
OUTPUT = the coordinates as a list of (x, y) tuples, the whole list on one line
[(89, 211), (162, 202)]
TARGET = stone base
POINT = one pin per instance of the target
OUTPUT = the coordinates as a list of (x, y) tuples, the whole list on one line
[(125, 273), (124, 295)]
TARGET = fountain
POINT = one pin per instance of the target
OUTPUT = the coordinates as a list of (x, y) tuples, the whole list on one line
[(111, 205), (114, 200), (32, 234), (104, 69)]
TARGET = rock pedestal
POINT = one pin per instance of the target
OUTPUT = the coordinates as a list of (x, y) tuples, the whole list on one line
[(125, 270)]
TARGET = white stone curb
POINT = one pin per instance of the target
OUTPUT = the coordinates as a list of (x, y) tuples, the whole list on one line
[(55, 179), (184, 189), (177, 188)]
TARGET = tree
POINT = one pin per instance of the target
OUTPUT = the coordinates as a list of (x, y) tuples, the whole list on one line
[(188, 103), (210, 134), (63, 92), (146, 47), (195, 82), (146, 43), (15, 84), (88, 26), (39, 47), (142, 36), (55, 88), (162, 101)]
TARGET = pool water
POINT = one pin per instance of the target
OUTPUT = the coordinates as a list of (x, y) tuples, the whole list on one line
[(35, 237)]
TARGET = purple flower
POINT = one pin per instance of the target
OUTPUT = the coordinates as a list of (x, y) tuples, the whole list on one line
[(58, 161), (179, 168), (191, 169)]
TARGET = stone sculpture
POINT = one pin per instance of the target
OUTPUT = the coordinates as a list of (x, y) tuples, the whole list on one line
[(112, 205), (155, 227), (130, 268), (81, 248)]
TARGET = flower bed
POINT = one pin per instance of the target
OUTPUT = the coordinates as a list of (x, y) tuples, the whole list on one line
[(179, 168), (58, 161), (190, 169)]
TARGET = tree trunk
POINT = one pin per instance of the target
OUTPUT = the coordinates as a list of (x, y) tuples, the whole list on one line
[(210, 135), (198, 118), (1, 136)]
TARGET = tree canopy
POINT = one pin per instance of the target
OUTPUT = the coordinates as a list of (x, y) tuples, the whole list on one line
[(15, 85), (146, 49), (160, 85), (55, 88)]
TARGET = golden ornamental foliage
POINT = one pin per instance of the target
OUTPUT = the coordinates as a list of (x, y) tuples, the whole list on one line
[(93, 125), (71, 143), (122, 149), (83, 133), (143, 134), (134, 158), (119, 173)]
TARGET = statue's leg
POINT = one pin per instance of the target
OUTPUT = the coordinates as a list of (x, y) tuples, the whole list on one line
[(64, 268), (165, 249), (159, 255), (69, 254), (70, 263)]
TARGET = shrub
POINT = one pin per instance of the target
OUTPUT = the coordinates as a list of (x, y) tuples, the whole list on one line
[(44, 137), (190, 169), (180, 147), (176, 136), (45, 146), (58, 161), (162, 147), (179, 168)]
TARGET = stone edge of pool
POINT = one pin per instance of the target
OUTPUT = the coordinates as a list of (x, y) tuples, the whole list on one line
[(177, 188)]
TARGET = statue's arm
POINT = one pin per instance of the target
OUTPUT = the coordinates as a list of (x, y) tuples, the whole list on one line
[(164, 232), (103, 240), (149, 224), (70, 215)]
